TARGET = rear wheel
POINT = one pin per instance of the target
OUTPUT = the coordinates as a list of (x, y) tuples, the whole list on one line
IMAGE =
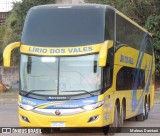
[(140, 117), (144, 115), (121, 119), (146, 109)]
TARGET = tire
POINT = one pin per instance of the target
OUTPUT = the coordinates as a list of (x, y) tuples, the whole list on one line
[(46, 130), (133, 118), (149, 108), (140, 117), (146, 106), (106, 129), (56, 129), (113, 127), (121, 119), (144, 115)]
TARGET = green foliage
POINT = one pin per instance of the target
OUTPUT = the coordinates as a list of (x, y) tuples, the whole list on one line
[(144, 12), (138, 10), (1, 36), (153, 25), (14, 24), (16, 19)]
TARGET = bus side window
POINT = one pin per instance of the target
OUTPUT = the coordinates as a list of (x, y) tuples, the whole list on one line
[(149, 46), (124, 79)]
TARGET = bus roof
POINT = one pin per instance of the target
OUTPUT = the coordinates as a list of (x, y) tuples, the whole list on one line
[(52, 25), (84, 6)]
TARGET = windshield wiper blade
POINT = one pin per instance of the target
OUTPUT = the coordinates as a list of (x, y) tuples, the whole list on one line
[(36, 91), (80, 91)]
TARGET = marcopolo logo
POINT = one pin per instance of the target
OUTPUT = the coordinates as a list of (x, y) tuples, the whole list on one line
[(57, 112)]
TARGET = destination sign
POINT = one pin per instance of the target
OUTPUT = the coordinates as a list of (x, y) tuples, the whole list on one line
[(60, 51)]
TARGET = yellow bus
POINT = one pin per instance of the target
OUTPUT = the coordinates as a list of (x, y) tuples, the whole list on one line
[(83, 66)]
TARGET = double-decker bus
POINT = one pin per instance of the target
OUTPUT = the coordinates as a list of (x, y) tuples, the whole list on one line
[(83, 66)]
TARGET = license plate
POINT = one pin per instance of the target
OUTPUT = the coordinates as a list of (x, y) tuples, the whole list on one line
[(58, 124)]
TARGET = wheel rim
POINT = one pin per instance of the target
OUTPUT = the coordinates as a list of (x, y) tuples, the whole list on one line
[(116, 118), (146, 110), (122, 115)]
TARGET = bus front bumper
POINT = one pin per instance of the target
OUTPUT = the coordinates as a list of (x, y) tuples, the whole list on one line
[(93, 118)]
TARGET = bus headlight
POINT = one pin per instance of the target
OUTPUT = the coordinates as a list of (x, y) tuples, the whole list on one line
[(93, 106), (25, 106)]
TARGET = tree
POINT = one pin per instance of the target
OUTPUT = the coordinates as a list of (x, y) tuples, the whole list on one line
[(1, 36), (145, 13), (138, 10), (153, 25), (14, 24)]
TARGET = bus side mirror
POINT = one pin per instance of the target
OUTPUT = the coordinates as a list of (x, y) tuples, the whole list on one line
[(7, 53), (104, 53)]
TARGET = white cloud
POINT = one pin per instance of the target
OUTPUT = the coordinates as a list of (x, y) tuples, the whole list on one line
[(6, 5)]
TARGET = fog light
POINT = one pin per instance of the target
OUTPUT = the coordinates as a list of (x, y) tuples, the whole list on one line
[(94, 118), (25, 119)]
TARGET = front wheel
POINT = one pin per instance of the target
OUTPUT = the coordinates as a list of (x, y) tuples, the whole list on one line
[(46, 130), (113, 127)]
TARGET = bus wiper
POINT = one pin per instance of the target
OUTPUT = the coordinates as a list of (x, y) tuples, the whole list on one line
[(80, 91), (36, 91)]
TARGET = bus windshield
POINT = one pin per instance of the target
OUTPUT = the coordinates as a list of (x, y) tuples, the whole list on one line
[(55, 26), (60, 75)]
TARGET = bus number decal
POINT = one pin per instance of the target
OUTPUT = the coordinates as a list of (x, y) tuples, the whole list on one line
[(126, 59)]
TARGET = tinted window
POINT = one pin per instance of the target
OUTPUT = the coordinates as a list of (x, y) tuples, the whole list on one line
[(130, 78), (149, 46), (53, 26), (127, 33), (109, 25)]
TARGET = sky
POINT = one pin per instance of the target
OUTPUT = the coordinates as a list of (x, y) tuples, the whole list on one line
[(6, 5)]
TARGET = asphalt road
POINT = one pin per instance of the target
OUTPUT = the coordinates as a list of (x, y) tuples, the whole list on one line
[(9, 118)]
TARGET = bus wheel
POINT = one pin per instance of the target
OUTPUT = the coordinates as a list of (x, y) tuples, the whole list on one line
[(144, 115), (113, 127), (146, 106), (121, 119), (46, 130), (140, 117), (56, 129), (106, 129)]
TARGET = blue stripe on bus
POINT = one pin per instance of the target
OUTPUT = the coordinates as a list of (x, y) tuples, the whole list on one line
[(136, 102), (48, 104)]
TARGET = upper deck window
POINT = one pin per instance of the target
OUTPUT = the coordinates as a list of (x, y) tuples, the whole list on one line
[(53, 26)]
